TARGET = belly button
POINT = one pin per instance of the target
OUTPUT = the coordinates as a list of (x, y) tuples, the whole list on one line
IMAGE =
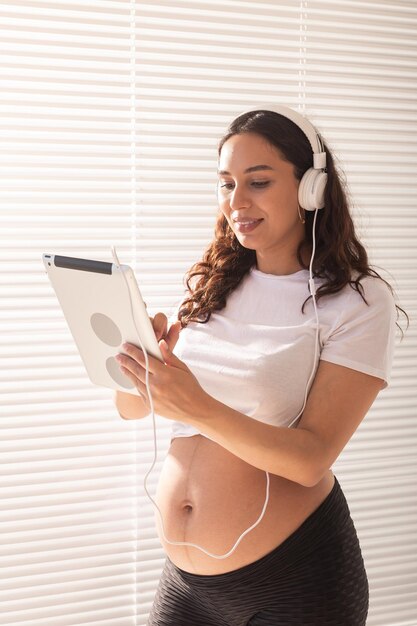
[(188, 508)]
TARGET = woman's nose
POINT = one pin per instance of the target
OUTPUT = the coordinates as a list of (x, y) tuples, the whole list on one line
[(239, 198)]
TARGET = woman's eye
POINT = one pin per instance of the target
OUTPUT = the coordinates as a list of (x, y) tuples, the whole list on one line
[(257, 184), (260, 183)]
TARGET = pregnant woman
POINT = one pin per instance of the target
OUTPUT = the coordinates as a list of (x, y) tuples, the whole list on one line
[(265, 386)]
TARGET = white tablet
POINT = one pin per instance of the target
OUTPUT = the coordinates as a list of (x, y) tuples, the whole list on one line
[(103, 307)]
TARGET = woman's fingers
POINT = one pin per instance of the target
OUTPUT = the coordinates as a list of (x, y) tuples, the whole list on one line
[(160, 323), (160, 326), (134, 361), (173, 334)]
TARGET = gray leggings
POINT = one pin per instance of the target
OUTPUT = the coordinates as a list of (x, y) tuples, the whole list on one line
[(315, 577)]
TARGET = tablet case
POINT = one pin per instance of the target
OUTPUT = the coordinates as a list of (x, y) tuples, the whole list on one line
[(103, 311)]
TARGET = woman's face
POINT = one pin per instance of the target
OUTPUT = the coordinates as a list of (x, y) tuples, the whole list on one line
[(256, 183)]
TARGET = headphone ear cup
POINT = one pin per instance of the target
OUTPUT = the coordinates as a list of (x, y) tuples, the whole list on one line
[(311, 189)]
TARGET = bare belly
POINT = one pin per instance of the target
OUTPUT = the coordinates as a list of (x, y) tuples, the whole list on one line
[(209, 496)]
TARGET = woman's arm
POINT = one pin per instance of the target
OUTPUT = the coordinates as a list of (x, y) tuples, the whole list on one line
[(338, 400), (129, 406)]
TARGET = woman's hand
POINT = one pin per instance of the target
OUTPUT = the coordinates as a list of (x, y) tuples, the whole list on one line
[(176, 392), (160, 325)]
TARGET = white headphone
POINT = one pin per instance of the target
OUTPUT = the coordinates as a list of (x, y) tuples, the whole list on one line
[(313, 183)]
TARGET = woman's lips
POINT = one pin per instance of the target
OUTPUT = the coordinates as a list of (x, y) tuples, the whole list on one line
[(243, 227)]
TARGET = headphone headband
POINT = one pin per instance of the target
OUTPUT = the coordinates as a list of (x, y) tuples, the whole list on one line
[(311, 190), (319, 155)]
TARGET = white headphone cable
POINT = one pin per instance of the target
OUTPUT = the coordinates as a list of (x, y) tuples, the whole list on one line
[(186, 543)]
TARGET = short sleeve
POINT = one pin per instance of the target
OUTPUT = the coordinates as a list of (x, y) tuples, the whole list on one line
[(363, 337)]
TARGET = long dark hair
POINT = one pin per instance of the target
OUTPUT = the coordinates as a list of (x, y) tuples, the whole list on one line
[(338, 254)]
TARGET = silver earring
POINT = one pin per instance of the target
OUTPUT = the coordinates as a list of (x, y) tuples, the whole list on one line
[(302, 219)]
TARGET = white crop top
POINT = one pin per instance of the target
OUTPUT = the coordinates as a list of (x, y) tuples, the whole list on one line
[(256, 354)]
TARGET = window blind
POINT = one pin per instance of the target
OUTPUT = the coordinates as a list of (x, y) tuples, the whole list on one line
[(68, 514), (111, 113)]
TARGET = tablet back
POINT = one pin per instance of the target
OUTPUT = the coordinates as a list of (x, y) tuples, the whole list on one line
[(102, 312)]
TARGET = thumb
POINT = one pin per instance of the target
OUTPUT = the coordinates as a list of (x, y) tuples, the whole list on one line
[(165, 349), (173, 334), (169, 357)]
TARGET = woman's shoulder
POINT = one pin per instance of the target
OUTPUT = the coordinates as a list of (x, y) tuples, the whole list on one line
[(374, 288), (367, 284), (352, 300)]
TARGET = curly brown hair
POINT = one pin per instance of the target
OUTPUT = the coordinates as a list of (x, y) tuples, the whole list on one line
[(339, 255)]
